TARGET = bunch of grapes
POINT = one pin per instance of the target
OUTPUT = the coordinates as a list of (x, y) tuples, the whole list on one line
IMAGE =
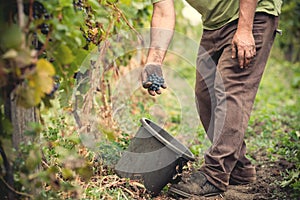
[(79, 5), (38, 10), (156, 81), (44, 28)]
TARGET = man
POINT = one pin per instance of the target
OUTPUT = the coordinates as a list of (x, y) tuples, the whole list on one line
[(233, 52)]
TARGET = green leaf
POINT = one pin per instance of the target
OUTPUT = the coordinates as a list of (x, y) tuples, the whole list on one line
[(11, 36), (94, 4), (33, 159), (138, 5), (24, 58), (127, 2), (27, 97), (62, 27), (85, 172), (65, 3), (81, 55), (67, 173), (38, 84), (45, 72), (64, 55)]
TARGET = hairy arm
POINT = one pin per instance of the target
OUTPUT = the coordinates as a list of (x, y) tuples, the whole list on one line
[(243, 44), (162, 29)]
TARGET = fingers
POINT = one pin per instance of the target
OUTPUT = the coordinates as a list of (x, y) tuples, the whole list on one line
[(245, 57), (152, 79), (158, 92), (151, 90), (241, 57), (153, 93), (233, 51), (147, 84), (243, 48), (248, 57)]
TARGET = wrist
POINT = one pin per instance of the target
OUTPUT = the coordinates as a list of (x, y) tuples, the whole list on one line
[(153, 63), (244, 30)]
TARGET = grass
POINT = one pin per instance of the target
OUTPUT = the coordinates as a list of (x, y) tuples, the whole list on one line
[(274, 124)]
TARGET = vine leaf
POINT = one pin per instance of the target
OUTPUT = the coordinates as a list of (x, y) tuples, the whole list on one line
[(33, 159), (44, 76), (64, 55), (10, 54), (39, 83), (11, 36)]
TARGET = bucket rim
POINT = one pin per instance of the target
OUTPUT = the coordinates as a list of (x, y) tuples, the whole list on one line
[(189, 155)]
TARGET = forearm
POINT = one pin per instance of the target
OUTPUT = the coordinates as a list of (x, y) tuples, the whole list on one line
[(246, 15), (162, 29)]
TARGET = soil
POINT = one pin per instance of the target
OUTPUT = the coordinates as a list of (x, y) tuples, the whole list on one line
[(265, 188)]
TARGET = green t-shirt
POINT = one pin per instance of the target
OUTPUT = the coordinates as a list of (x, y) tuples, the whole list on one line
[(216, 13)]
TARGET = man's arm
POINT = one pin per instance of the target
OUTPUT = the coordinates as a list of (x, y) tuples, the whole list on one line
[(162, 29), (243, 44)]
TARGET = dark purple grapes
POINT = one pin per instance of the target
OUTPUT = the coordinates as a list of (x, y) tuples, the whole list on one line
[(156, 81), (38, 10), (44, 28), (47, 16), (78, 5)]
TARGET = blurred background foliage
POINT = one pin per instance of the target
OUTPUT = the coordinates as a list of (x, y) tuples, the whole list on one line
[(289, 23)]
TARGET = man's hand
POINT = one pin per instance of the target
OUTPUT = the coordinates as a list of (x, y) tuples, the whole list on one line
[(243, 43), (152, 79), (243, 47)]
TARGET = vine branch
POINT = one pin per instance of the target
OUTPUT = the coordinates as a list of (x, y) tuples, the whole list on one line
[(21, 14), (8, 171), (30, 16), (21, 18), (128, 24), (13, 190)]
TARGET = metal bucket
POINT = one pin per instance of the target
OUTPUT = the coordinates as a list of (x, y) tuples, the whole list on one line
[(153, 156)]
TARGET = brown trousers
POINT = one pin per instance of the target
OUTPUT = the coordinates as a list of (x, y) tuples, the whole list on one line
[(225, 94)]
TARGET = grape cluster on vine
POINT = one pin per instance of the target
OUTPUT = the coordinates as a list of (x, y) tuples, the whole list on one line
[(79, 4), (39, 12), (44, 28)]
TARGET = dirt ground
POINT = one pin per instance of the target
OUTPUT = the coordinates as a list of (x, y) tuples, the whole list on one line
[(265, 188)]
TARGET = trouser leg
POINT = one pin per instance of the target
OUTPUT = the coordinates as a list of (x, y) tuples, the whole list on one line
[(234, 90), (204, 90), (207, 61), (243, 172)]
